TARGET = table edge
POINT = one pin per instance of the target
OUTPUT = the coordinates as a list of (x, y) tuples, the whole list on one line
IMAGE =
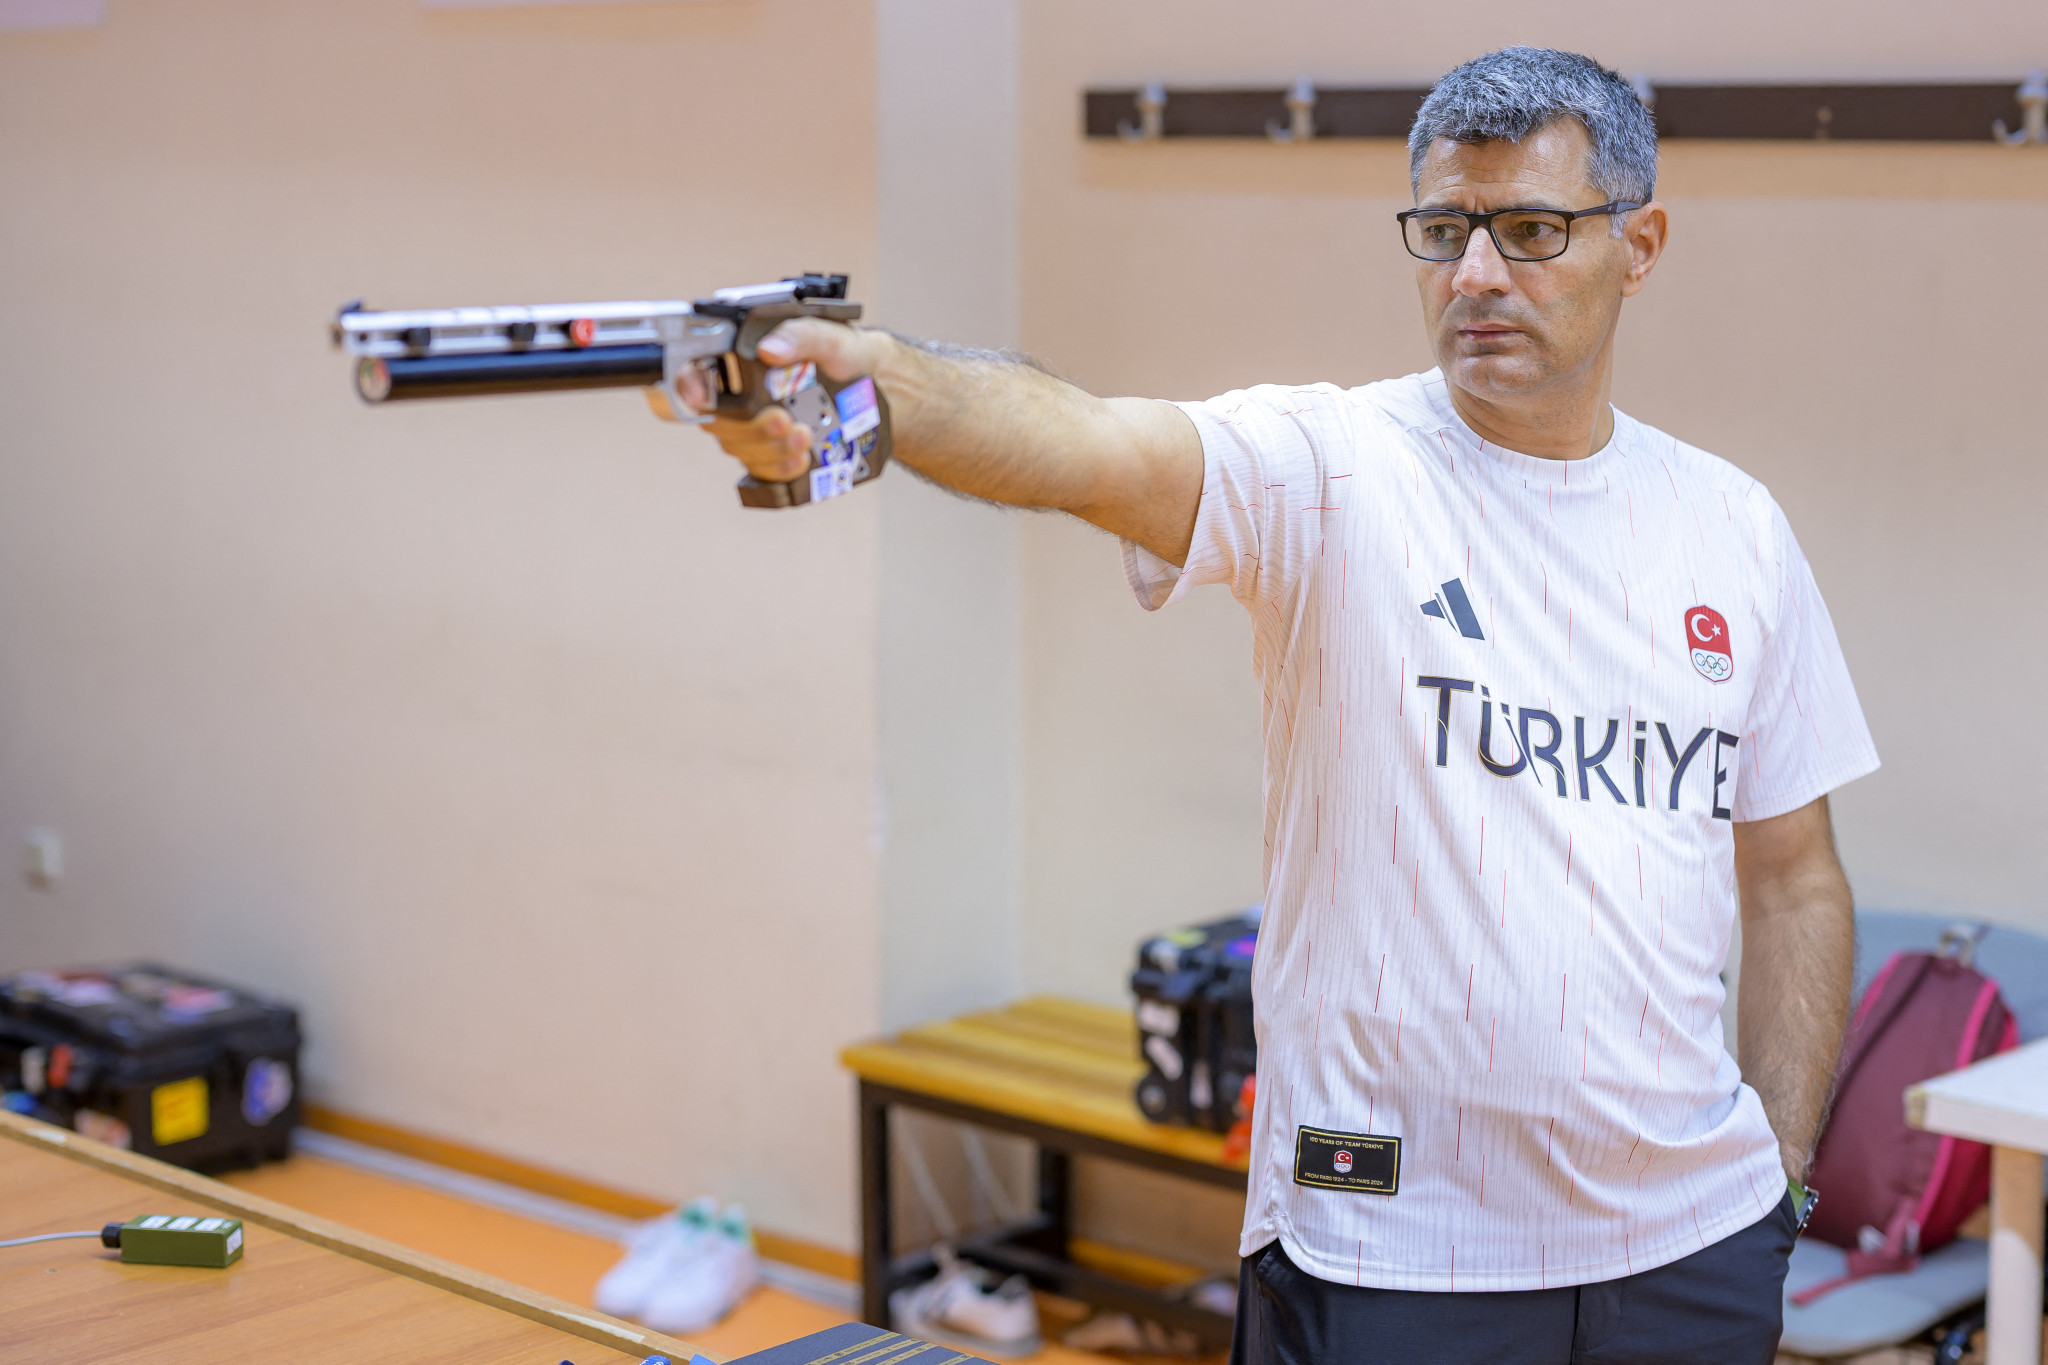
[(1935, 1111), (586, 1323)]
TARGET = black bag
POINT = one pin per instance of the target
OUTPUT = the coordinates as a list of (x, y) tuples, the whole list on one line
[(167, 1064), (1195, 1021)]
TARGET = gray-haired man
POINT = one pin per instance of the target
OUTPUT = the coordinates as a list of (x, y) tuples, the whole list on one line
[(1496, 1119)]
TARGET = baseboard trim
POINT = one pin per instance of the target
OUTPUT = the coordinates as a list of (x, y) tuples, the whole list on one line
[(571, 1189)]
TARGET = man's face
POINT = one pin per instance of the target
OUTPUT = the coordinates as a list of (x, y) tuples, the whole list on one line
[(1504, 330)]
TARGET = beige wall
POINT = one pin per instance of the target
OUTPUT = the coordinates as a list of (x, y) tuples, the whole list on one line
[(588, 814), (497, 734), (1808, 324)]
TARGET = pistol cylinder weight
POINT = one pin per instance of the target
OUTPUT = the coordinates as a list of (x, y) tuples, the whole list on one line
[(481, 352)]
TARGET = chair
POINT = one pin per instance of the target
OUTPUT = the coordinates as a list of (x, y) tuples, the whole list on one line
[(1886, 1310)]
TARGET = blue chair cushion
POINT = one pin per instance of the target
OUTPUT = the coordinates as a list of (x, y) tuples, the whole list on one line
[(2014, 958), (1880, 1310)]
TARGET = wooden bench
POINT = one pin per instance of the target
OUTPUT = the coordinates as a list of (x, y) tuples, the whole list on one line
[(1055, 1071)]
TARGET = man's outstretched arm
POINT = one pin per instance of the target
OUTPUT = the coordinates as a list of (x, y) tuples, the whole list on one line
[(997, 429), (1798, 955)]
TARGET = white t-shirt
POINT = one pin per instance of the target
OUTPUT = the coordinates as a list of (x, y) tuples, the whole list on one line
[(1511, 707)]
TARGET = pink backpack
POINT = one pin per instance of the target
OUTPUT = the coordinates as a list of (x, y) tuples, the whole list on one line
[(1888, 1192)]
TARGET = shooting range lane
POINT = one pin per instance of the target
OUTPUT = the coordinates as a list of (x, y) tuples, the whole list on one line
[(306, 1290)]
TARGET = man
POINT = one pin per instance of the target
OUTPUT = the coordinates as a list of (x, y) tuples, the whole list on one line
[(1548, 694)]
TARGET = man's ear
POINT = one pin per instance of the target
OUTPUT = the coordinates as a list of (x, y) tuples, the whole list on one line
[(1648, 229)]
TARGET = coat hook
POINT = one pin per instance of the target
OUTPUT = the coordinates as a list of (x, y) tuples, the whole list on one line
[(1301, 114), (1151, 116), (2033, 97)]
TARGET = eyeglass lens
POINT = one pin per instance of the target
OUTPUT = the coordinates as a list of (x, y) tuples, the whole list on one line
[(1523, 235)]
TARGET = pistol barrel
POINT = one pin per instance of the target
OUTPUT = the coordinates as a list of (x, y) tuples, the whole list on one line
[(388, 379)]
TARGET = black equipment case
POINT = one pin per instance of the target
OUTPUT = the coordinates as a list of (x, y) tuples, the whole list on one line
[(1194, 989), (164, 1063)]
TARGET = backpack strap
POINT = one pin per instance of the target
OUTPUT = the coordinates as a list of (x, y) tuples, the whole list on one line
[(1901, 977)]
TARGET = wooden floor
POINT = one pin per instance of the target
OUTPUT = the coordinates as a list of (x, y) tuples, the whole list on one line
[(538, 1255)]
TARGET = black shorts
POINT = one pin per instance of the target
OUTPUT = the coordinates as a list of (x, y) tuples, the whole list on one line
[(1722, 1305)]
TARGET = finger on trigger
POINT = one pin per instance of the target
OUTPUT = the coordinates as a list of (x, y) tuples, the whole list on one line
[(692, 389)]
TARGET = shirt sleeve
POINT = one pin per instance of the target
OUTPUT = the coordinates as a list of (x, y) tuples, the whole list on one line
[(1265, 462), (1806, 734)]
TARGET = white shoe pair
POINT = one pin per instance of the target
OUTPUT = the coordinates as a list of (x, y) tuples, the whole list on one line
[(684, 1271), (959, 1308)]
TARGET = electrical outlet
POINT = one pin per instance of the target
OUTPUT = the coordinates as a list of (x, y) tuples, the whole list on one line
[(42, 857)]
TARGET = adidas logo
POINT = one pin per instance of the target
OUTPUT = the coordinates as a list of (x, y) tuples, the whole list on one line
[(1452, 606)]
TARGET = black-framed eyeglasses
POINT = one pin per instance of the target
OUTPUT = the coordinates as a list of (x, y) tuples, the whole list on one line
[(1518, 234)]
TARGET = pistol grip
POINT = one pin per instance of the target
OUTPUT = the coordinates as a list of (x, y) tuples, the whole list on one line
[(849, 426)]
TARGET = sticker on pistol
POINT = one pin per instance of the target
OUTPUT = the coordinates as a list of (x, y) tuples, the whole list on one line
[(1360, 1162), (858, 411), (785, 381), (830, 480)]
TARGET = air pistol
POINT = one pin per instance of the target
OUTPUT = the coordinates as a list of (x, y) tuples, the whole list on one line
[(464, 352)]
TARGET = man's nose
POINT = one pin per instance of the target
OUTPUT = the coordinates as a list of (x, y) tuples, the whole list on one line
[(1482, 269)]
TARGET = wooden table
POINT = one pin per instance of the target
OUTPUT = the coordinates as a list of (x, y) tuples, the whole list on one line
[(305, 1291), (2002, 1101), (1060, 1073)]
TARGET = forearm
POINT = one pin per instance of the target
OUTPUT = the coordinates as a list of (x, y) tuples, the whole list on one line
[(992, 427), (1798, 956), (998, 427)]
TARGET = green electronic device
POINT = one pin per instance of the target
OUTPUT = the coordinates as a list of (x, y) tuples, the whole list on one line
[(168, 1239)]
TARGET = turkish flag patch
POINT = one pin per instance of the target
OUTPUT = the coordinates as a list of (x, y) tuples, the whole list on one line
[(1706, 636)]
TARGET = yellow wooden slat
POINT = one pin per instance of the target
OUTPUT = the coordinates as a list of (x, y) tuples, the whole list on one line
[(1110, 1096), (1114, 1027), (1016, 1023), (970, 1040)]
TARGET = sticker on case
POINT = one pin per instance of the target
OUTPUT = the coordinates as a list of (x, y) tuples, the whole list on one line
[(178, 1111), (266, 1090)]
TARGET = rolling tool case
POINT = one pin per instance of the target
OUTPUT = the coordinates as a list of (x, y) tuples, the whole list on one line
[(164, 1063), (1194, 990)]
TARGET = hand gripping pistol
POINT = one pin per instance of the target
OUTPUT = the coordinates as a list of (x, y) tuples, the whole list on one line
[(461, 352)]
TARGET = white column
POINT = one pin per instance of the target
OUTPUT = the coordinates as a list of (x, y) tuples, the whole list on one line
[(951, 828), (2013, 1336)]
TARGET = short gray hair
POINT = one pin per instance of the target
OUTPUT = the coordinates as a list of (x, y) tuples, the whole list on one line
[(1509, 94)]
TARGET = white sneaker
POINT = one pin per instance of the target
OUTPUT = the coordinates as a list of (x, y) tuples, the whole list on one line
[(711, 1283), (958, 1308), (653, 1254)]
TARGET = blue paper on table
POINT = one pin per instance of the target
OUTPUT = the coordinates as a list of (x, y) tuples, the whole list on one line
[(856, 1343)]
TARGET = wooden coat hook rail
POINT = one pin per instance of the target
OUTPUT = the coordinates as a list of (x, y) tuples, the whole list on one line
[(2015, 116)]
